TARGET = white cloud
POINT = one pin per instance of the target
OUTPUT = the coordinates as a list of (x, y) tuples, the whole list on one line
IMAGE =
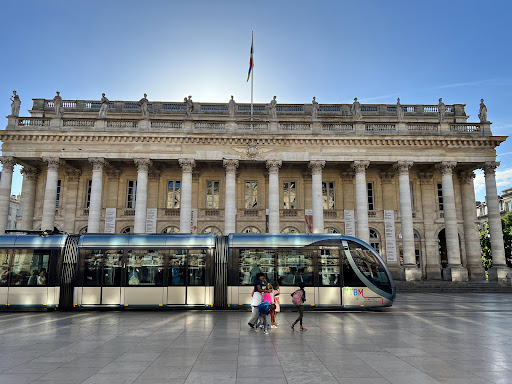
[(503, 181)]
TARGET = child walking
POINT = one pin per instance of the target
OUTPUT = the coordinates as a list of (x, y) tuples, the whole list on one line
[(298, 299), (273, 313)]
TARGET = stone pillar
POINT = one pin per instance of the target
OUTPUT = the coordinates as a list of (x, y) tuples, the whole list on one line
[(50, 193), (454, 271), (410, 270), (499, 269), (428, 208), (363, 232), (230, 198), (28, 197), (471, 234), (71, 206), (273, 195), (5, 190), (93, 225), (141, 195), (317, 195), (187, 165)]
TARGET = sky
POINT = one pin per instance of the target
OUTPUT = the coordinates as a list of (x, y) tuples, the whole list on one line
[(459, 50)]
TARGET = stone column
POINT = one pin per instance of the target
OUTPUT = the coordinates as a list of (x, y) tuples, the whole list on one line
[(230, 199), (28, 197), (410, 270), (93, 225), (499, 269), (471, 234), (363, 232), (187, 165), (141, 195), (50, 193), (71, 206), (317, 195), (454, 271), (5, 190), (273, 195)]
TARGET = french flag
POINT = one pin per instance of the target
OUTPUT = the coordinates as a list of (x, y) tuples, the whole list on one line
[(251, 62)]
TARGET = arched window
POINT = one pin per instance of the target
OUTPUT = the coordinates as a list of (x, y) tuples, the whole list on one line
[(290, 230), (127, 230), (375, 239), (417, 248), (213, 231), (331, 230), (171, 229), (251, 230)]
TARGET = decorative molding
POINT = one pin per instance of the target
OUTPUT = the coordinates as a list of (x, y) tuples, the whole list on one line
[(230, 164), (446, 167), (8, 163), (30, 173), (251, 152), (466, 177), (273, 166), (187, 165), (403, 167), (73, 174), (360, 166), (426, 178), (98, 163), (142, 164), (316, 166), (53, 163)]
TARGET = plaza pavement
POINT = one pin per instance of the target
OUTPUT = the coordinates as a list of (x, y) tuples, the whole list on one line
[(423, 338)]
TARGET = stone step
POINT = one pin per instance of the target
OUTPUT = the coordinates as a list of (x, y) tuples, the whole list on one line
[(440, 286)]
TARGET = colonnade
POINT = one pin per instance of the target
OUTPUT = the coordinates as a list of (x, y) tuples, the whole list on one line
[(410, 271)]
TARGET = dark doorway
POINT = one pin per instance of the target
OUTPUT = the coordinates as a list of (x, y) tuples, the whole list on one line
[(443, 254)]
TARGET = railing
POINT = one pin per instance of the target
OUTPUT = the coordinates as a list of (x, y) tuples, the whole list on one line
[(405, 108), (337, 127), (214, 108), (210, 125), (78, 123), (131, 106), (369, 108), (289, 212), (212, 212), (129, 212), (253, 126), (251, 213), (69, 104), (295, 127), (435, 109), (122, 123), (329, 108), (169, 124), (174, 107), (172, 212), (97, 105), (33, 122), (380, 127), (372, 214), (256, 108), (289, 108), (330, 214), (465, 128), (422, 128)]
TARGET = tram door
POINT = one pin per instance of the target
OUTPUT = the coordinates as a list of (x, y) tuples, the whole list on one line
[(102, 277), (329, 277)]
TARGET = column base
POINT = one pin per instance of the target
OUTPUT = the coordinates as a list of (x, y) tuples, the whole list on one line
[(455, 273), (476, 272), (499, 273), (410, 273), (433, 272)]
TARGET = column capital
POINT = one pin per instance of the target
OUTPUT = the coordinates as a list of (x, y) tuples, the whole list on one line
[(187, 164), (386, 178), (360, 165), (53, 163), (490, 166), (97, 163), (274, 165), (466, 177), (8, 163), (142, 164), (30, 173), (73, 174), (230, 164), (316, 166), (426, 178), (403, 167), (347, 177), (446, 167)]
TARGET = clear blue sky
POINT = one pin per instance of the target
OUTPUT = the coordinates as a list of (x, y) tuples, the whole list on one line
[(334, 50)]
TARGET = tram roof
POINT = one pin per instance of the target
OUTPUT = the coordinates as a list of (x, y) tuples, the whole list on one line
[(136, 241), (32, 241), (282, 240)]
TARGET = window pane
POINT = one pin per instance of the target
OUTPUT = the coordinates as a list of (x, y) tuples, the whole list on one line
[(254, 261), (92, 267), (370, 266), (145, 267), (329, 267), (292, 195), (112, 270), (30, 268), (177, 266), (196, 267), (4, 268), (88, 195), (295, 267)]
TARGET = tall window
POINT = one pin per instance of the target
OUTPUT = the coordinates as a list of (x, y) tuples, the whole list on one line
[(371, 205), (440, 196), (212, 194), (130, 193), (173, 193), (412, 196), (251, 194), (328, 195), (88, 194), (375, 239), (59, 186), (289, 195)]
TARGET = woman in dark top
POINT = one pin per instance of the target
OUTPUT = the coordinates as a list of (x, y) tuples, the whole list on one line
[(300, 308)]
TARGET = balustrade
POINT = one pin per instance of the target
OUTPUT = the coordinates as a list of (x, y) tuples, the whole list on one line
[(179, 107), (253, 126), (295, 127), (289, 212), (122, 123), (172, 212), (251, 212), (78, 123), (289, 108), (33, 122), (210, 125), (422, 128), (380, 127), (337, 127), (465, 128), (129, 212), (369, 108), (330, 214), (214, 108), (168, 124)]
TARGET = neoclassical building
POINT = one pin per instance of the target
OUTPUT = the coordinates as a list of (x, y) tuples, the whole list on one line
[(399, 177)]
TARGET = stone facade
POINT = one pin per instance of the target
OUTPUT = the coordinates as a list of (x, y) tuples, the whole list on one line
[(196, 168)]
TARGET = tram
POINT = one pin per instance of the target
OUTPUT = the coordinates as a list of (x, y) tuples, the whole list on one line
[(188, 271)]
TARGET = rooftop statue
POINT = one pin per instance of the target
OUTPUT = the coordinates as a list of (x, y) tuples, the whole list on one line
[(15, 105), (189, 104), (232, 107), (143, 104), (399, 111), (104, 106), (482, 114), (441, 110), (356, 110), (272, 109), (57, 104), (314, 111)]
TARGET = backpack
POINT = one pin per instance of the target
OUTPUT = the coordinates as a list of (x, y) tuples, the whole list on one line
[(264, 308), (297, 297)]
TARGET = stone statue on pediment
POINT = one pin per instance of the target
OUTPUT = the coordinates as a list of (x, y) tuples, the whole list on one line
[(104, 107), (314, 111), (399, 111), (232, 107), (272, 109), (482, 114), (143, 104), (189, 105), (356, 110), (57, 104), (441, 110), (16, 104)]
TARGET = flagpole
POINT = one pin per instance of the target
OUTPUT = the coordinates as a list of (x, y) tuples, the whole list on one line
[(252, 77)]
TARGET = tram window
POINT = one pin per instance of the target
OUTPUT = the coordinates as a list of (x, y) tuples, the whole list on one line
[(30, 268), (295, 267), (4, 267), (196, 267), (329, 267), (254, 261), (145, 267), (92, 267), (112, 268), (370, 266), (350, 278), (177, 267)]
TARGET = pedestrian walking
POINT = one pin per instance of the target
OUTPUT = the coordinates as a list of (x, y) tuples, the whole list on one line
[(257, 297), (298, 299)]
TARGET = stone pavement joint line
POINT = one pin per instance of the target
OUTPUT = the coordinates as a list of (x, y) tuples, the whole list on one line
[(423, 338)]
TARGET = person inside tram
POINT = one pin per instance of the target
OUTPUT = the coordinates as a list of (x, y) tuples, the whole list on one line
[(159, 276), (133, 276), (176, 274), (91, 275), (33, 278), (4, 278), (41, 279)]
